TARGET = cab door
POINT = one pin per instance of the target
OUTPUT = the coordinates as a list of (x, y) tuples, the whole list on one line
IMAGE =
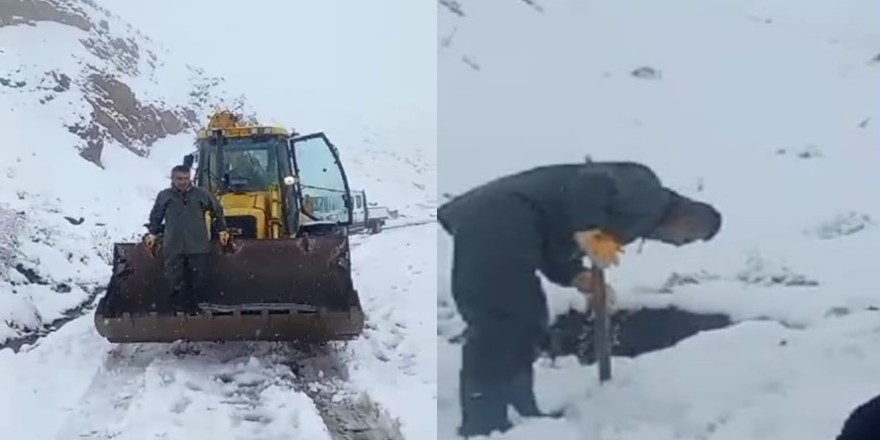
[(321, 180)]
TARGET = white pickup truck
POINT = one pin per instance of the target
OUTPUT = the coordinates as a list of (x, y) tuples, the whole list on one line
[(367, 216)]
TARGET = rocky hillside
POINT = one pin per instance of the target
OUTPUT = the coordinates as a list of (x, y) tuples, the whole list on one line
[(93, 113), (78, 60)]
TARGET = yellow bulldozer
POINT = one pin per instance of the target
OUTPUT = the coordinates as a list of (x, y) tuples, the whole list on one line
[(287, 274)]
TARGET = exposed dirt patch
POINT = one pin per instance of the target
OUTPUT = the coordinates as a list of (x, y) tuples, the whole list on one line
[(117, 114), (322, 375)]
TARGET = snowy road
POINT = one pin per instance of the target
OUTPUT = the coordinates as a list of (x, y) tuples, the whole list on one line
[(73, 384)]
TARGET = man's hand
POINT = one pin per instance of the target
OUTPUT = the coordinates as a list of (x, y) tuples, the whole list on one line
[(224, 238), (150, 241), (601, 248), (584, 283)]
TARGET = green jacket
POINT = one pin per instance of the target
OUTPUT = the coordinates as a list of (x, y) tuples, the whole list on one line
[(184, 215)]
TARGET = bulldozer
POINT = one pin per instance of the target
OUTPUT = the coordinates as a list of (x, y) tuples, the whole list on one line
[(286, 275)]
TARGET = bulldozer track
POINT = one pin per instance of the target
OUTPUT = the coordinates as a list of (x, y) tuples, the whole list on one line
[(318, 371), (348, 415)]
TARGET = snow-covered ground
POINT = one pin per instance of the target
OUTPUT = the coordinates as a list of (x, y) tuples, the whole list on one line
[(69, 64), (397, 272), (73, 383), (769, 110)]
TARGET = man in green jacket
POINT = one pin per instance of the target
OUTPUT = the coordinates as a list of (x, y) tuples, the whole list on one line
[(187, 239)]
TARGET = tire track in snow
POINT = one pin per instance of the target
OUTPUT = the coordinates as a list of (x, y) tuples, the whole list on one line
[(348, 415), (266, 391)]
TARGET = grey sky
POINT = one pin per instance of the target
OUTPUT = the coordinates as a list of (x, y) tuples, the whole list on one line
[(311, 64)]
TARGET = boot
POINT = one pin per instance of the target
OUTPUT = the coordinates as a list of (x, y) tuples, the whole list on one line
[(521, 395), (483, 409)]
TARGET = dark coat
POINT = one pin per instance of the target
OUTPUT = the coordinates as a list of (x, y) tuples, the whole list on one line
[(184, 215), (863, 422), (625, 199)]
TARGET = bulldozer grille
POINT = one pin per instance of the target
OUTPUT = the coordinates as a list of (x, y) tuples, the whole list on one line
[(243, 226)]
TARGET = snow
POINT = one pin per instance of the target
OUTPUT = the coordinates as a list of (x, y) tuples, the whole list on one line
[(397, 275), (62, 215), (720, 385), (74, 383), (365, 74), (758, 108), (236, 390)]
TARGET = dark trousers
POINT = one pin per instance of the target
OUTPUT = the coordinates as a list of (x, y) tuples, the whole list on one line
[(187, 275), (498, 294), (863, 422), (496, 373)]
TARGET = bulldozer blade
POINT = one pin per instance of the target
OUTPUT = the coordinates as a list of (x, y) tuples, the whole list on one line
[(263, 290)]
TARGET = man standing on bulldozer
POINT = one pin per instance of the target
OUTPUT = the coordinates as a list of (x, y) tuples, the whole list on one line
[(186, 243), (545, 219)]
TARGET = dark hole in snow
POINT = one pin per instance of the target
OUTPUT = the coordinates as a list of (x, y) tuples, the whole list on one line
[(75, 221), (452, 6), (62, 82), (12, 84), (225, 378), (62, 288), (634, 332), (30, 274), (807, 152), (470, 63), (646, 72)]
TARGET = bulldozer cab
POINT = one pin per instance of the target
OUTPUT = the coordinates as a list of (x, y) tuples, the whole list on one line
[(306, 169)]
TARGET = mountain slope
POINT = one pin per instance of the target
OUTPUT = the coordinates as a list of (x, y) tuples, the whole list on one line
[(767, 111), (363, 73), (84, 98)]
